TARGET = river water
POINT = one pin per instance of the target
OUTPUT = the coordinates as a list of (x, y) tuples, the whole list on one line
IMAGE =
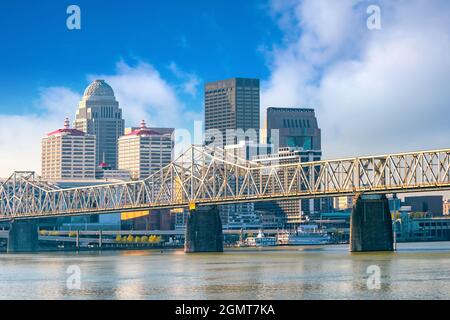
[(415, 271)]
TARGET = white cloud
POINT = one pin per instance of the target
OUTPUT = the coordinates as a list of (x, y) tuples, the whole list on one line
[(144, 94), (374, 91), (20, 135), (190, 81), (140, 90)]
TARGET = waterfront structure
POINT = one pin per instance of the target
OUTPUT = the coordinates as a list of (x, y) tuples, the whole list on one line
[(152, 220), (181, 216), (99, 114), (425, 227), (232, 111), (68, 154), (430, 204), (144, 151), (239, 216)]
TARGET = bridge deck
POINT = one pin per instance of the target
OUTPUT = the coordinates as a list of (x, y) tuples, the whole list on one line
[(207, 176)]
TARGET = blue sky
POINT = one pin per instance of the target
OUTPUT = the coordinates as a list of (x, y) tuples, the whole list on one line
[(213, 39), (374, 91)]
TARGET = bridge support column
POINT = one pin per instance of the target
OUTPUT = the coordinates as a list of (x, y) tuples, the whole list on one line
[(204, 231), (23, 237), (371, 224)]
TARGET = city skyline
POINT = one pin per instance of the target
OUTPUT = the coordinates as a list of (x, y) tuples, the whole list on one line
[(225, 151), (276, 47)]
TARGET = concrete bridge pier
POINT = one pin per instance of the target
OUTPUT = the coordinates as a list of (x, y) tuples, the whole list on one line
[(371, 224), (204, 230), (23, 237)]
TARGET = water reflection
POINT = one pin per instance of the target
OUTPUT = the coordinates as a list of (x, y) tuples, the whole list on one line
[(329, 272)]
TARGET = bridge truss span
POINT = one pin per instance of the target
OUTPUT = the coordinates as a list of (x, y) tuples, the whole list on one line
[(205, 175)]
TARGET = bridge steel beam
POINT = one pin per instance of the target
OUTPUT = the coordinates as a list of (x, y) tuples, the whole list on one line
[(212, 176), (23, 237), (204, 230), (371, 224)]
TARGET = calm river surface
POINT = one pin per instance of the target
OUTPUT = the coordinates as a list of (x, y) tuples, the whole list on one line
[(416, 271)]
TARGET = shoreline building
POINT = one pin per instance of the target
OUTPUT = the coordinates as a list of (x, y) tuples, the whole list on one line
[(296, 134), (232, 115), (99, 114), (144, 151), (431, 204), (232, 111), (68, 154)]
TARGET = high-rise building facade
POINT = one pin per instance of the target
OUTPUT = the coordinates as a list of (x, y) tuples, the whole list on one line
[(296, 134), (144, 151), (294, 128), (99, 114), (288, 211), (432, 204), (68, 154), (231, 105)]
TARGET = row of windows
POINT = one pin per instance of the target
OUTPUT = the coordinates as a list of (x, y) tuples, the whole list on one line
[(296, 123), (434, 224)]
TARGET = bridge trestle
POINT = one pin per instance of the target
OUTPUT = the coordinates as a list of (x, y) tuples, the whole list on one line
[(23, 237), (371, 224), (204, 230)]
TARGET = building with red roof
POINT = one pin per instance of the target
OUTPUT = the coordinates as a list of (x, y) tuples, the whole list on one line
[(68, 154), (143, 151)]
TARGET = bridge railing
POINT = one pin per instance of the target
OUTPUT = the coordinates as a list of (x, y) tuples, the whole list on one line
[(211, 176)]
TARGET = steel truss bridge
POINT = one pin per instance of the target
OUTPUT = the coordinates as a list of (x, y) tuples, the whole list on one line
[(211, 176)]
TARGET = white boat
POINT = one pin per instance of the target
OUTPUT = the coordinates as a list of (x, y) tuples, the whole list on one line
[(261, 241), (304, 235)]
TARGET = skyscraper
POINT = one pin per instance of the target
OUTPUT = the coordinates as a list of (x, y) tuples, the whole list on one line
[(231, 105), (144, 151), (99, 114), (68, 154), (232, 115), (296, 133), (297, 128)]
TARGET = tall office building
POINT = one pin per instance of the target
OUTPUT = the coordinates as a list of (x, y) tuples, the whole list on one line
[(297, 128), (232, 104), (68, 154), (99, 114), (296, 134), (144, 151), (288, 211), (232, 114)]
